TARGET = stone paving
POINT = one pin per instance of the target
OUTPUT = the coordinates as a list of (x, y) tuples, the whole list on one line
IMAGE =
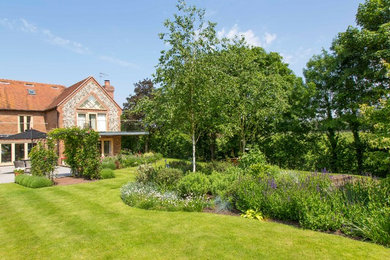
[(7, 173)]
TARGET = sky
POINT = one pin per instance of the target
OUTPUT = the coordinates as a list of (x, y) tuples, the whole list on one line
[(63, 42)]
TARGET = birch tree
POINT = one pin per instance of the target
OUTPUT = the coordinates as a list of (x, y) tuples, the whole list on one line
[(185, 74)]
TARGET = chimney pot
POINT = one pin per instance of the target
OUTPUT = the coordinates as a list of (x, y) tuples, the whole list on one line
[(106, 83)]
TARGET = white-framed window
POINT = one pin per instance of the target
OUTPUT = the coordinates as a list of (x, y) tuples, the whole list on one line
[(81, 120), (95, 121), (14, 151), (92, 121), (24, 123), (101, 122)]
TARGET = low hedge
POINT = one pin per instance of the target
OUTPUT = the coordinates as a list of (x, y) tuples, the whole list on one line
[(33, 181), (107, 173)]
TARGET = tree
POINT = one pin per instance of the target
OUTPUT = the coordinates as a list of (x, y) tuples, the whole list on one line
[(185, 75), (132, 120), (321, 71), (256, 92), (362, 55)]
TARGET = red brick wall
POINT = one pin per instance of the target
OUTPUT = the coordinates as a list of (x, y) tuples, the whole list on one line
[(51, 120), (117, 144), (9, 121)]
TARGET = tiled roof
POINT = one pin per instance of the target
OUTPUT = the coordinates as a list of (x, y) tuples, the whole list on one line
[(66, 93), (32, 96), (22, 95)]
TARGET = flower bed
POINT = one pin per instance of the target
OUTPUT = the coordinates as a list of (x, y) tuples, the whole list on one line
[(148, 197)]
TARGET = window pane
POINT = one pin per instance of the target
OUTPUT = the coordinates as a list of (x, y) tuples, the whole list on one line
[(21, 123), (101, 122), (81, 120), (19, 152), (28, 125), (92, 121), (107, 148), (5, 153)]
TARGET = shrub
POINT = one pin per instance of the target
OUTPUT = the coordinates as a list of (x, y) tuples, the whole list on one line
[(220, 183), (33, 181), (195, 183), (167, 177), (136, 160), (43, 159), (181, 165), (108, 165), (145, 173), (148, 197), (107, 173), (215, 166), (254, 156), (261, 169)]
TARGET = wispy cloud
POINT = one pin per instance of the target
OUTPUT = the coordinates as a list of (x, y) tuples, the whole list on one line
[(250, 37), (4, 22), (27, 27), (64, 43), (117, 61)]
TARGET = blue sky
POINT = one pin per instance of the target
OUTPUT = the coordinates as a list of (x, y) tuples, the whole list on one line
[(63, 42)]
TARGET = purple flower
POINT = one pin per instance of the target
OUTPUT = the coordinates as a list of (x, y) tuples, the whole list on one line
[(272, 184)]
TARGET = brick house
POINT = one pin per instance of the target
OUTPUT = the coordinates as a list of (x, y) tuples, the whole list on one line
[(42, 107)]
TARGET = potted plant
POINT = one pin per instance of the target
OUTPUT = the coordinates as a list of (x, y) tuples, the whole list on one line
[(18, 171)]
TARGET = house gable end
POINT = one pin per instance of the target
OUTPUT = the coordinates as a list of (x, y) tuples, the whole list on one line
[(90, 88)]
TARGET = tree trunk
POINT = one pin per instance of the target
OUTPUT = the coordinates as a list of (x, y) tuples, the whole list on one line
[(212, 146), (193, 152), (333, 146), (358, 148)]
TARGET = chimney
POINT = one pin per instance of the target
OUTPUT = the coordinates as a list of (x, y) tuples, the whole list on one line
[(110, 89)]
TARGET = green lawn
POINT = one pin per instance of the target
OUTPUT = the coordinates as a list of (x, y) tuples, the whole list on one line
[(90, 221)]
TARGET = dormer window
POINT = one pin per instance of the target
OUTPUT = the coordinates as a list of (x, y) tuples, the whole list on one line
[(31, 91), (29, 85)]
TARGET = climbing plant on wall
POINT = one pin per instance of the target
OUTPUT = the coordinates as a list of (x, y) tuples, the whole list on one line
[(81, 150)]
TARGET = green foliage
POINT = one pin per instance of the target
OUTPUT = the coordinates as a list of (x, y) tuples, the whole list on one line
[(221, 183), (252, 214), (109, 163), (107, 173), (184, 166), (148, 197), (164, 178), (33, 181), (132, 160), (167, 178), (43, 159), (81, 150), (254, 156), (145, 173), (357, 208), (194, 184), (215, 166), (19, 171)]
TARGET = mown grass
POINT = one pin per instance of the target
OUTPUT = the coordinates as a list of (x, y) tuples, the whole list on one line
[(90, 221)]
